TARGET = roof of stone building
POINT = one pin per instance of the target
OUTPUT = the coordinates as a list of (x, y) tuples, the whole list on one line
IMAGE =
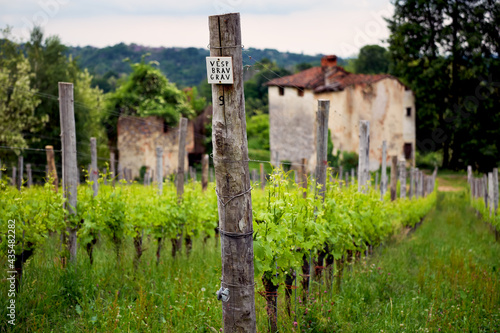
[(328, 77)]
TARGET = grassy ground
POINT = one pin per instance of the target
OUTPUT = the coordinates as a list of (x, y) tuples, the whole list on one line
[(443, 277)]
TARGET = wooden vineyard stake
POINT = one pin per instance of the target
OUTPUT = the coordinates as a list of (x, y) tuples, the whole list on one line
[(69, 165), (20, 165), (112, 165), (159, 169), (383, 178), (402, 179), (94, 171), (321, 145), (13, 180), (364, 150), (394, 177), (204, 172), (230, 151), (28, 172), (177, 242), (51, 163)]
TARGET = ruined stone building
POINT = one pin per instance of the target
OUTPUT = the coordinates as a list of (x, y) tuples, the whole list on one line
[(138, 138), (381, 99)]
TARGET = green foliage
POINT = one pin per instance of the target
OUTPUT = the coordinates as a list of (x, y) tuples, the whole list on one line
[(184, 66), (349, 160), (448, 53), (18, 100), (333, 160), (147, 92), (372, 59), (258, 131), (197, 103), (429, 160), (256, 98)]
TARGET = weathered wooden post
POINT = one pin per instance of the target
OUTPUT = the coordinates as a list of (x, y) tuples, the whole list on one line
[(159, 168), (28, 172), (491, 193), (341, 174), (303, 173), (232, 179), (94, 171), (321, 144), (120, 172), (51, 163), (13, 180), (412, 183), (383, 178), (177, 242), (364, 151), (69, 164), (204, 172), (394, 177), (20, 165), (402, 179), (321, 164), (112, 165), (495, 189), (485, 190)]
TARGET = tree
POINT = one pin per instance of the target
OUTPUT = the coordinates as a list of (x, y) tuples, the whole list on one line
[(50, 65), (146, 92), (89, 115), (256, 98), (18, 100), (448, 53), (372, 59)]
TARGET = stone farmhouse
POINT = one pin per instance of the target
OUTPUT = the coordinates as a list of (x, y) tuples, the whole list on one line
[(138, 138), (381, 99)]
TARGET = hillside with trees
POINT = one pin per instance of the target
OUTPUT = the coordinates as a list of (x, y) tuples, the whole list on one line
[(184, 66)]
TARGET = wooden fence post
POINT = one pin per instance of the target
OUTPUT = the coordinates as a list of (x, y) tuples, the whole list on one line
[(51, 163), (94, 171), (20, 165), (321, 145), (402, 179), (28, 172), (177, 242), (112, 165), (383, 178), (230, 149), (204, 172), (485, 190), (13, 180), (491, 193), (394, 177), (364, 152), (303, 180), (412, 183), (69, 164), (159, 169), (495, 189)]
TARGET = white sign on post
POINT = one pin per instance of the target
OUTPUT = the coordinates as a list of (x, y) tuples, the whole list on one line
[(220, 70)]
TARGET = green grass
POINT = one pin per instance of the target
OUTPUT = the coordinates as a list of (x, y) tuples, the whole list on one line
[(443, 277)]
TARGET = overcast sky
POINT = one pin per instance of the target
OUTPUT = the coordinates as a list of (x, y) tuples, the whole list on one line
[(338, 27)]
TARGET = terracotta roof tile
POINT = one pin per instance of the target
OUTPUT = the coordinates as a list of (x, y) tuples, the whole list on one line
[(321, 79)]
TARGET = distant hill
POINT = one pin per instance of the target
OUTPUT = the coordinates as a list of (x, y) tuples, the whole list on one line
[(184, 66)]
